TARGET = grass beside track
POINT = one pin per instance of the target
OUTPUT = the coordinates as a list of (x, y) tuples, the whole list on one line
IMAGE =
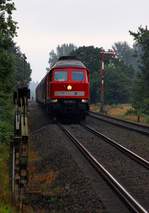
[(122, 111), (5, 201)]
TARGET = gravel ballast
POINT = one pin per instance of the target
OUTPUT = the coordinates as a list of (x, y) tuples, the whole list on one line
[(56, 182), (131, 175), (132, 140)]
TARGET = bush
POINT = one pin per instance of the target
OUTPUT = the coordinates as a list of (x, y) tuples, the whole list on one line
[(5, 132), (131, 111), (5, 208)]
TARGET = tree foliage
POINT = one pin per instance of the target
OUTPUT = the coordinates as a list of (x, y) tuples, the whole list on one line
[(129, 55), (7, 32), (22, 67), (7, 25), (63, 50), (118, 82), (141, 88), (13, 66), (118, 76)]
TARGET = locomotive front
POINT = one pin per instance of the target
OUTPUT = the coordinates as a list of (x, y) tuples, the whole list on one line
[(68, 88)]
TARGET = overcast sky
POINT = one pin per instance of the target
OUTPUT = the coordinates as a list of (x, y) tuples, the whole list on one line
[(45, 24)]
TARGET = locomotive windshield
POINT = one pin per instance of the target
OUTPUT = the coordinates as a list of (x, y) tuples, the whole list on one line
[(60, 76), (77, 76)]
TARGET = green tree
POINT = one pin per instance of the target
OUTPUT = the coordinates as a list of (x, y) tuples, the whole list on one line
[(118, 82), (13, 67), (22, 67), (7, 33), (129, 55), (7, 68), (118, 76), (124, 52), (141, 87), (63, 50)]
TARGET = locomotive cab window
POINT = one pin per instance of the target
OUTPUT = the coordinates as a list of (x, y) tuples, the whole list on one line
[(77, 75), (60, 76)]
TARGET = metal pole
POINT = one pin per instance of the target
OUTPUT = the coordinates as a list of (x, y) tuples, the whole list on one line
[(102, 84), (24, 60)]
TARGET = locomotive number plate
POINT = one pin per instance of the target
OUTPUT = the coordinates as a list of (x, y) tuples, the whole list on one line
[(69, 93)]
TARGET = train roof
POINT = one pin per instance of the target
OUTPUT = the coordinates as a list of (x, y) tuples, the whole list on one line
[(67, 61)]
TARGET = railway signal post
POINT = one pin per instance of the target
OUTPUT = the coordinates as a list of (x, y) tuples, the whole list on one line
[(20, 144), (103, 55)]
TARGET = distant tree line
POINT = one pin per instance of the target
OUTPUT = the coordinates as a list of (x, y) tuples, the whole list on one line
[(13, 67), (126, 77)]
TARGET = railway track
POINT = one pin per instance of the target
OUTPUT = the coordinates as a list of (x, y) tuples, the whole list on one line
[(140, 128), (118, 146), (130, 190), (130, 201)]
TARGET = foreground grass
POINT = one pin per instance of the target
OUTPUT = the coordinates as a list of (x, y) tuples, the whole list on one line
[(5, 201), (123, 111)]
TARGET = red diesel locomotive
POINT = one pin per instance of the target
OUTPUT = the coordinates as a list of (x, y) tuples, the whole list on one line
[(65, 88)]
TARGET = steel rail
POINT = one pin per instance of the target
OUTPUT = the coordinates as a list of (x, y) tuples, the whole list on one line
[(129, 200), (118, 146), (121, 123)]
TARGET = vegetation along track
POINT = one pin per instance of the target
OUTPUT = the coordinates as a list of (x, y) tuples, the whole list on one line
[(129, 173), (140, 128)]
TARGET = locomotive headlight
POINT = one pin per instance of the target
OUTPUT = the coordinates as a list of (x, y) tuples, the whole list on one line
[(84, 101), (54, 100), (69, 87)]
